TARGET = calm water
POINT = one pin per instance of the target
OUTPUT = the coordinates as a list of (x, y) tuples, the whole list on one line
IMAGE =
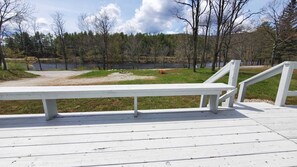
[(90, 66)]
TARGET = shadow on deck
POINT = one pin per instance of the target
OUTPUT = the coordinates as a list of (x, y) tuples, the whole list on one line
[(118, 117)]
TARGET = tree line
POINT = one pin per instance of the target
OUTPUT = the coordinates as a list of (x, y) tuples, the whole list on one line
[(215, 34)]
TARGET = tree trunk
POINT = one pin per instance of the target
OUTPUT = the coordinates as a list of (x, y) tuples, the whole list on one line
[(41, 52), (216, 50), (38, 59), (214, 60), (28, 68), (65, 59), (195, 54), (4, 63), (203, 63), (273, 54), (64, 53), (56, 63), (106, 59), (189, 62), (2, 59)]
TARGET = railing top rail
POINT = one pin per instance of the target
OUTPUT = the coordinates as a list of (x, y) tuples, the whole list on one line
[(286, 68), (294, 63), (264, 75), (219, 74), (233, 69)]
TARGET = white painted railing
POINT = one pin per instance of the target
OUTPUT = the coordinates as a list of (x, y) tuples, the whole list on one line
[(233, 69), (286, 69)]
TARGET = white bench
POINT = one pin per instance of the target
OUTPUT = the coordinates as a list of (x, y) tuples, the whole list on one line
[(49, 94)]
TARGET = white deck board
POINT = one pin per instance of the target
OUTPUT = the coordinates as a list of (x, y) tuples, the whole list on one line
[(132, 145), (258, 160), (131, 136), (138, 156), (126, 129), (254, 134)]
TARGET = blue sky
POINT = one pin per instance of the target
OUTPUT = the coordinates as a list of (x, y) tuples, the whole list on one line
[(131, 15)]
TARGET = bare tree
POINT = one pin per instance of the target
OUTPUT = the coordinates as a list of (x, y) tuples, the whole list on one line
[(226, 13), (206, 36), (83, 23), (35, 26), (273, 12), (233, 24), (196, 8), (184, 48), (21, 28), (59, 30), (103, 24), (133, 49), (9, 10)]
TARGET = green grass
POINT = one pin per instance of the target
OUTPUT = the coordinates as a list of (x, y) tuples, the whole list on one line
[(98, 73), (263, 90), (171, 76), (16, 71), (7, 75)]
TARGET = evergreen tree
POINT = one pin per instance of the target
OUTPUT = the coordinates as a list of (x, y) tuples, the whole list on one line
[(288, 32)]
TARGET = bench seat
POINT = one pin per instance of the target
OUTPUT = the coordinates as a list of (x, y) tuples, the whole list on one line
[(49, 94)]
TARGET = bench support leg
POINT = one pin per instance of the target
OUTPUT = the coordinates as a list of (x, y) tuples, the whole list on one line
[(203, 102), (135, 107), (213, 103), (50, 109)]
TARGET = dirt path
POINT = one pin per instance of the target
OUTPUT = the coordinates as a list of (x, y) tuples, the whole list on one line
[(60, 78)]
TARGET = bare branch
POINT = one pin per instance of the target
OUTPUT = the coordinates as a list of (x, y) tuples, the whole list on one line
[(83, 23), (185, 20), (183, 3)]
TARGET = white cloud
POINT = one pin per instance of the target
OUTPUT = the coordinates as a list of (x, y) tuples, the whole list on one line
[(112, 10), (244, 24), (43, 25), (153, 16), (42, 21)]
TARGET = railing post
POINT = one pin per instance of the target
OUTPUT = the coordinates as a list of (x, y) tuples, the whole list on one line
[(213, 103), (242, 92), (233, 78), (203, 101), (135, 107), (233, 69), (50, 108), (284, 84)]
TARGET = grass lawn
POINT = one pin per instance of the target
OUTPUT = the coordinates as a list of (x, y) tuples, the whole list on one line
[(263, 90), (6, 75)]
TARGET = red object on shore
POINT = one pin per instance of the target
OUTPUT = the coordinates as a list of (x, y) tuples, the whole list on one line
[(162, 71)]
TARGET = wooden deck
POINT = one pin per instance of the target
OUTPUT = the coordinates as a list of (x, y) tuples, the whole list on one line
[(254, 134)]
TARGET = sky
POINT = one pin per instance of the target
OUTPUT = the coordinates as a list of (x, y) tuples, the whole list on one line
[(132, 16)]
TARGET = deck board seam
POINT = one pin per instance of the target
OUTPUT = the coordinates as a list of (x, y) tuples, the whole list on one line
[(141, 120), (129, 140), (295, 142), (189, 159), (141, 149), (85, 134), (133, 131)]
